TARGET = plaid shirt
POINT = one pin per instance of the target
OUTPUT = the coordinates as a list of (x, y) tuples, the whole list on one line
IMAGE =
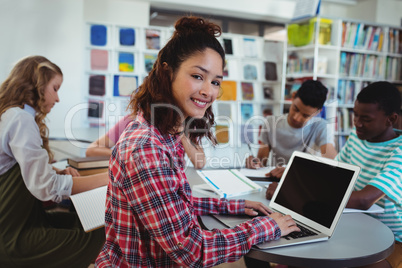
[(151, 215)]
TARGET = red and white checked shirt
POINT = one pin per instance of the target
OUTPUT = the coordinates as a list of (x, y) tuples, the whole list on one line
[(151, 215)]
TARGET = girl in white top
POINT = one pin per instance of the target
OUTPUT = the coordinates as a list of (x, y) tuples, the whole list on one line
[(30, 235)]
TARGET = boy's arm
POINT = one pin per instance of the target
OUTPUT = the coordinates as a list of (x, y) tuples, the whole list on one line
[(328, 150), (365, 198), (263, 153)]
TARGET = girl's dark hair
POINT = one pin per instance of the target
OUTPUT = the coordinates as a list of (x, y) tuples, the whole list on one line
[(154, 97), (385, 94)]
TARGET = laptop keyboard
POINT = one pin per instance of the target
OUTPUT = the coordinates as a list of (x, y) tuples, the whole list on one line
[(304, 232)]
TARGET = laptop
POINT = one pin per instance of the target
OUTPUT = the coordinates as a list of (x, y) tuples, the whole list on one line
[(314, 191)]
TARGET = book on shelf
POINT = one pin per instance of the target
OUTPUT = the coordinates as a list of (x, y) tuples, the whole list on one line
[(149, 60), (344, 120), (270, 71), (226, 69), (90, 207), (380, 41), (250, 47), (374, 41), (391, 41), (246, 111), (268, 92), (345, 32), (367, 38), (229, 90), (97, 85), (89, 162), (250, 72), (362, 36), (228, 183), (322, 63), (346, 91), (222, 134), (124, 85), (227, 45), (126, 62), (353, 33), (247, 90), (152, 39), (224, 111), (95, 108)]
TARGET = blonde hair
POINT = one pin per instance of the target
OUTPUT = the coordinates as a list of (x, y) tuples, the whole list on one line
[(26, 84)]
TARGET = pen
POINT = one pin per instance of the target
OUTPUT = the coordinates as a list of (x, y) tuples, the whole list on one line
[(249, 147)]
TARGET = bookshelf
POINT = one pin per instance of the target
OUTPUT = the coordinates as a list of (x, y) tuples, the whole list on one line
[(346, 55), (252, 83), (118, 57)]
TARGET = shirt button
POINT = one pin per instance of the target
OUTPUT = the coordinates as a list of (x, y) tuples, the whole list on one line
[(179, 245)]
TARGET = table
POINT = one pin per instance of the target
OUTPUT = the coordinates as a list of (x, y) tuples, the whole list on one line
[(359, 239), (70, 143), (85, 135)]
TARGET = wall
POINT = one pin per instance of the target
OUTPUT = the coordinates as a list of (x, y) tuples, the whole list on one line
[(52, 28), (389, 12), (117, 11), (377, 11), (55, 29)]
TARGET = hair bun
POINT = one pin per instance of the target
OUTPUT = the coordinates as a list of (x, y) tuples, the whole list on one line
[(192, 24)]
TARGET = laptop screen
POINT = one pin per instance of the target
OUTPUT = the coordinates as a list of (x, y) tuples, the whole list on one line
[(314, 189)]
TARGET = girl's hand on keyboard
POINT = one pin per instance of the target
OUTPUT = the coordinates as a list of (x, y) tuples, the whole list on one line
[(254, 208), (285, 223)]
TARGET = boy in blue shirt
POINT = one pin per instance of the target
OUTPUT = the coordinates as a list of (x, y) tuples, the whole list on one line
[(377, 149)]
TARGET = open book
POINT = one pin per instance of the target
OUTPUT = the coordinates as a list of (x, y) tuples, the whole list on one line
[(90, 207), (228, 182)]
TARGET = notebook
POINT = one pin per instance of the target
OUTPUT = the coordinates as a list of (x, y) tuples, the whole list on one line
[(227, 183), (314, 191)]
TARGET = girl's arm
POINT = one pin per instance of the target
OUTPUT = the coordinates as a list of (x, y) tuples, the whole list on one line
[(85, 183), (101, 146)]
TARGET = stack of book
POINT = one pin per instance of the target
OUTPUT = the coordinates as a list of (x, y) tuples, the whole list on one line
[(89, 165)]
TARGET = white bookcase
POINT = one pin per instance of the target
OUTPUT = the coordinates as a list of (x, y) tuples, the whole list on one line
[(116, 58), (254, 72), (346, 55)]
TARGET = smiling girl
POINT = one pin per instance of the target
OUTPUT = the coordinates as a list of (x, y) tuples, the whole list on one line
[(30, 236), (151, 215)]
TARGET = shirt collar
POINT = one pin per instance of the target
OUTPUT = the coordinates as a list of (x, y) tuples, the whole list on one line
[(171, 139), (29, 109)]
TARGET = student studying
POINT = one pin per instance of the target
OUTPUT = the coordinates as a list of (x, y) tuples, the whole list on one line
[(377, 149), (299, 130), (151, 214), (29, 235)]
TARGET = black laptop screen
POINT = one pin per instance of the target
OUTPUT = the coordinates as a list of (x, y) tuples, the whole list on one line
[(314, 189)]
